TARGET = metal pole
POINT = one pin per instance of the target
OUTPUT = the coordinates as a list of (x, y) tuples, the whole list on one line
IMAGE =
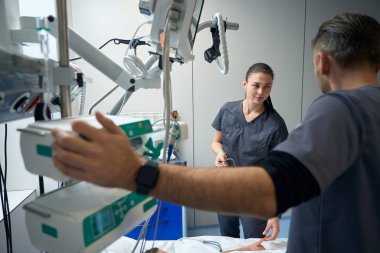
[(63, 46)]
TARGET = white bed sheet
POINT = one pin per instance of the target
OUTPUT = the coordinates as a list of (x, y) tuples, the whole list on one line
[(196, 245)]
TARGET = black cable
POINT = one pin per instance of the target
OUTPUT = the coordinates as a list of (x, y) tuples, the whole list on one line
[(5, 186), (5, 149), (135, 43), (3, 205), (4, 196), (4, 208)]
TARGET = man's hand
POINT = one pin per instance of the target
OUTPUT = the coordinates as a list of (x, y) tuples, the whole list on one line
[(100, 156)]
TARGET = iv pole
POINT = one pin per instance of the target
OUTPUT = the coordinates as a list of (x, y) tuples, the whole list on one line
[(64, 88)]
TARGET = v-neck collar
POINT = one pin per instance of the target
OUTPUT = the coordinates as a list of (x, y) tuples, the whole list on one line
[(242, 113)]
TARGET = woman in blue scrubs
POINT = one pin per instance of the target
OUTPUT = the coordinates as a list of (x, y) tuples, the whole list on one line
[(246, 130)]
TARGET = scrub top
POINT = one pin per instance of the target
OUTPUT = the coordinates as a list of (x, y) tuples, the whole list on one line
[(248, 143), (339, 143)]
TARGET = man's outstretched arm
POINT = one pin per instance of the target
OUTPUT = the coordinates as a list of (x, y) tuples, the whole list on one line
[(105, 157)]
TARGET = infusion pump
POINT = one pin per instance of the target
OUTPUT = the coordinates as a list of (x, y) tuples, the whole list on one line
[(59, 223), (83, 217), (36, 141)]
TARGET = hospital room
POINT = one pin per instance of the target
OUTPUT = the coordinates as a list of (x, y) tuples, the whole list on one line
[(157, 82)]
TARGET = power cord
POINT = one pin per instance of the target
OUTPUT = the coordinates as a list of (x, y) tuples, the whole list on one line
[(142, 235), (208, 242), (230, 161), (136, 42)]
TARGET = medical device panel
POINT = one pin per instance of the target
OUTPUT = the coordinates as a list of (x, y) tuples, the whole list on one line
[(60, 223)]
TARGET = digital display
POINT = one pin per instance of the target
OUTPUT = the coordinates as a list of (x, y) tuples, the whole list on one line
[(195, 21), (102, 221)]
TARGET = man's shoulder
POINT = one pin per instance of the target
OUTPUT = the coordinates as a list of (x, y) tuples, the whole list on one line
[(358, 93), (326, 100), (354, 96)]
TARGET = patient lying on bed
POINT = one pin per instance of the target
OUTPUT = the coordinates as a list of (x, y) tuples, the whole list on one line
[(200, 244), (257, 246)]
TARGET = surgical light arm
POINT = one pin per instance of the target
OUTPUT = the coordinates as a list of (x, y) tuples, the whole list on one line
[(108, 67), (92, 55), (218, 51)]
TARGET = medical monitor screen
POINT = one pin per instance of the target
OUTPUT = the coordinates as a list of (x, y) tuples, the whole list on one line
[(195, 21), (102, 221)]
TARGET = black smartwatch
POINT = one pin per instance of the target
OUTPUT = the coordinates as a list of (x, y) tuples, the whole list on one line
[(147, 177)]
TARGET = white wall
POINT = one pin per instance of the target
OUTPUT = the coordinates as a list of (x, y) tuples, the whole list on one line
[(317, 12)]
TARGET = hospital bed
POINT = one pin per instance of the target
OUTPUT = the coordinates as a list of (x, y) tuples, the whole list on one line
[(198, 244)]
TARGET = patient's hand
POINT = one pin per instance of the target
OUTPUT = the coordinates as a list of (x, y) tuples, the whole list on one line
[(253, 247), (155, 250)]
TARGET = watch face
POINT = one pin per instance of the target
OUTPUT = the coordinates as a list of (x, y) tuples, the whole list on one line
[(147, 177)]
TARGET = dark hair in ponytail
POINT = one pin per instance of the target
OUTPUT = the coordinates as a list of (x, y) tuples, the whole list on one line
[(268, 105), (259, 68)]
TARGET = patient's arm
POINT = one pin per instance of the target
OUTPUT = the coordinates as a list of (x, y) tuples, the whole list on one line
[(253, 247), (155, 250)]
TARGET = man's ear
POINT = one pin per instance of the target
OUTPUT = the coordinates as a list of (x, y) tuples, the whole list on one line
[(325, 63), (244, 83)]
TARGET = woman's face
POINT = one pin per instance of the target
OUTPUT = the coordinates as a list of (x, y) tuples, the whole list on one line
[(258, 87)]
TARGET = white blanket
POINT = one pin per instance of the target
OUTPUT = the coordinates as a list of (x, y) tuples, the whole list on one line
[(200, 244)]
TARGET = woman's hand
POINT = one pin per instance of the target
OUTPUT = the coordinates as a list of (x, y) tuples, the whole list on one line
[(221, 159), (274, 224), (217, 147)]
